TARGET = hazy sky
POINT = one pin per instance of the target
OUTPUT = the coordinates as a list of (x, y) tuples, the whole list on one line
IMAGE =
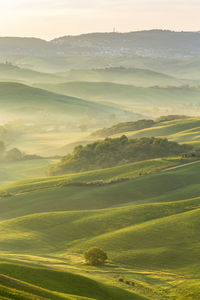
[(52, 18)]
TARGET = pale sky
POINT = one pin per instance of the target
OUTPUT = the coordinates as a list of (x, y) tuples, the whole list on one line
[(52, 18)]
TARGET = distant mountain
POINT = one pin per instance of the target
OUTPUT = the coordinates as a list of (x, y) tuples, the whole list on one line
[(152, 43), (25, 46), (144, 43)]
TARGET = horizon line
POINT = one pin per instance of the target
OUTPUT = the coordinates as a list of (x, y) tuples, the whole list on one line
[(100, 32)]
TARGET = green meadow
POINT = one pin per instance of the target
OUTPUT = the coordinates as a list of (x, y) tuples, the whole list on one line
[(132, 76), (10, 72), (14, 171), (183, 131), (18, 98), (45, 224), (145, 215), (182, 68), (147, 100)]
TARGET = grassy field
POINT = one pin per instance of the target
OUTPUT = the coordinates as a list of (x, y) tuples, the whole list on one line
[(145, 216), (187, 68), (11, 172), (46, 224), (17, 97), (49, 143), (132, 76), (38, 196), (172, 99), (183, 131), (44, 282), (9, 72), (54, 64)]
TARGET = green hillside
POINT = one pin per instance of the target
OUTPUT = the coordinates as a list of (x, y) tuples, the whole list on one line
[(131, 96), (9, 72), (185, 130), (182, 68), (14, 171), (102, 228), (53, 284), (53, 64), (118, 151), (58, 219), (136, 126), (25, 100), (38, 195), (135, 194), (121, 75), (123, 127)]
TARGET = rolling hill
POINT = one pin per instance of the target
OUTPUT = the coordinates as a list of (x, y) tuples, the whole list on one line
[(55, 64), (181, 129), (185, 130), (146, 214), (174, 71), (114, 152), (12, 73), (121, 75), (38, 195), (51, 284), (22, 100), (182, 68), (25, 46), (184, 98), (153, 43), (11, 172), (134, 225)]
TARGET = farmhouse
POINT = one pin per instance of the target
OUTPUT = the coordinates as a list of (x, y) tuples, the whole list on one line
[(195, 153)]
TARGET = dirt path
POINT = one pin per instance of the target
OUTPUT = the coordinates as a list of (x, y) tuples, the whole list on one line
[(181, 166)]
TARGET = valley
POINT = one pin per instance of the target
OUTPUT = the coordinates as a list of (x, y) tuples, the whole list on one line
[(99, 147)]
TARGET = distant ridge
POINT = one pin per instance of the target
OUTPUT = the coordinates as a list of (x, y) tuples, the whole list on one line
[(149, 43), (19, 98)]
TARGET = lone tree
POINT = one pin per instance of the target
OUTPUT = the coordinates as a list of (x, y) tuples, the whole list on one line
[(95, 256)]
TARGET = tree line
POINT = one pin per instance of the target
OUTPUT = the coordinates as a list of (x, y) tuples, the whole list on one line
[(116, 151)]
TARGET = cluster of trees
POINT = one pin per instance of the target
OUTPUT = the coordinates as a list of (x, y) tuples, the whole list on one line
[(112, 152), (124, 127), (10, 155), (14, 154)]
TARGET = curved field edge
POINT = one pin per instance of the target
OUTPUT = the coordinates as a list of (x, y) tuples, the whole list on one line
[(61, 285), (128, 171)]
